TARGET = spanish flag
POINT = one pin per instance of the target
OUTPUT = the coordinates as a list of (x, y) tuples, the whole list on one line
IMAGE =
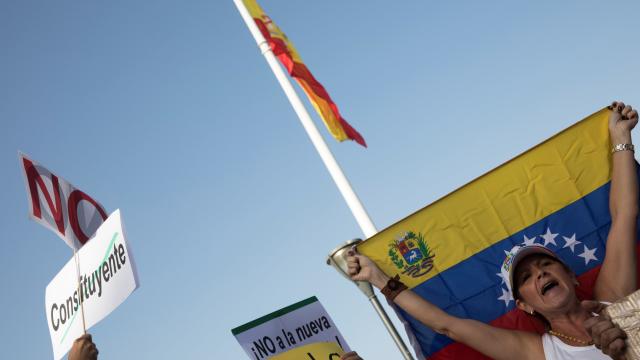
[(283, 49), (450, 252)]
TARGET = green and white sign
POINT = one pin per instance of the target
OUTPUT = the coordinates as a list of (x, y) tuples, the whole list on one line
[(107, 276), (299, 324)]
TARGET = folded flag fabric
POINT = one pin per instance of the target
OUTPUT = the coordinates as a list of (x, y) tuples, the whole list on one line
[(450, 252), (284, 50)]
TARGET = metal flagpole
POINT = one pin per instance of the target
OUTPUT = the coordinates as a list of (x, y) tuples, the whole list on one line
[(358, 211)]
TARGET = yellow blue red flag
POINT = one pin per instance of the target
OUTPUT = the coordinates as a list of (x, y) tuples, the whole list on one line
[(284, 50), (450, 252)]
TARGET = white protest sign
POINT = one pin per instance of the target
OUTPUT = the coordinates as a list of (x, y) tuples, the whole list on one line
[(57, 205), (299, 324), (107, 276)]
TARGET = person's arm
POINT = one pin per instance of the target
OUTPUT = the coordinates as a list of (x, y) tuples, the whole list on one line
[(617, 277), (492, 341)]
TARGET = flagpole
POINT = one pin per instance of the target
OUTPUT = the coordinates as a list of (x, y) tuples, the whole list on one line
[(341, 181)]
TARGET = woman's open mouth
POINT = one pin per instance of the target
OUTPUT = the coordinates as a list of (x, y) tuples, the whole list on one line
[(548, 286)]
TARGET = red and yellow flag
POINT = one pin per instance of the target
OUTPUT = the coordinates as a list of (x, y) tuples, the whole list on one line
[(284, 50)]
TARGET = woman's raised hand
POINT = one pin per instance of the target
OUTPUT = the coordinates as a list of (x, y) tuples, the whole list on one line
[(623, 118), (361, 268)]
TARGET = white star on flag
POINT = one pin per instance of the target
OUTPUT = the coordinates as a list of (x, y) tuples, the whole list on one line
[(588, 255), (501, 277), (571, 242), (506, 296), (549, 238), (528, 241)]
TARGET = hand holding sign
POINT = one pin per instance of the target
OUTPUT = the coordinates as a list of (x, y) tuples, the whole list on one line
[(351, 355), (83, 349)]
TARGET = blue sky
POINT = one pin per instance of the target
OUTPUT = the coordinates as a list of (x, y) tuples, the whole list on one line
[(167, 110)]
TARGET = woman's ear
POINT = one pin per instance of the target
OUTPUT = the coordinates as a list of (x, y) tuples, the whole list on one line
[(524, 306)]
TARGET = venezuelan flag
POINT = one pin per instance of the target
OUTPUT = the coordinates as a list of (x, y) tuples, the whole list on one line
[(450, 252), (285, 52)]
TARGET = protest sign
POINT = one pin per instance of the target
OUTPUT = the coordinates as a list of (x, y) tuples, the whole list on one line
[(302, 323), (315, 351), (107, 276), (57, 205)]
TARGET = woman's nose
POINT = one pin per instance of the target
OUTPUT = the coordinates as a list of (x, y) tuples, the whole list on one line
[(540, 273)]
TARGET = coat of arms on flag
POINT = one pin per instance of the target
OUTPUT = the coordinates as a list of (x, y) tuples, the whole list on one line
[(411, 254)]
